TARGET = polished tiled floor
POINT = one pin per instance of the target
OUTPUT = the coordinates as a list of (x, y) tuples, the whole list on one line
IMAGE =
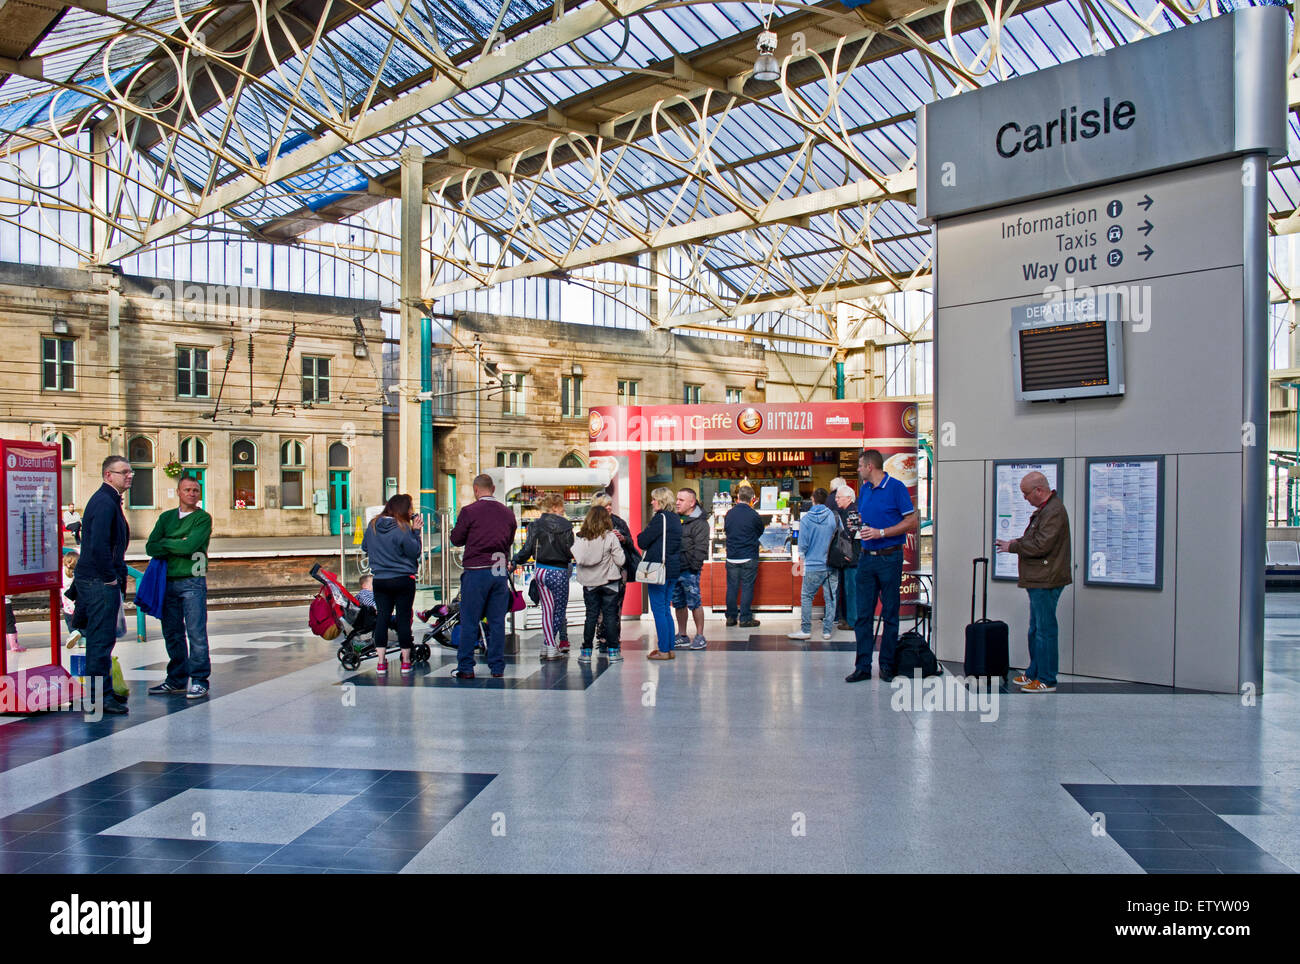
[(753, 755)]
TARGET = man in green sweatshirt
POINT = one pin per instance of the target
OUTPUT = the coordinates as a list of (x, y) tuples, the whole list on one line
[(181, 537)]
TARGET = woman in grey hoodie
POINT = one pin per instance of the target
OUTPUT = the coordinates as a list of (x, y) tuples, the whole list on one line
[(392, 543), (599, 559)]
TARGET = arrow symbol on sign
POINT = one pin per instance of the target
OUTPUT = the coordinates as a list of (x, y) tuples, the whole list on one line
[(1146, 202), (1147, 227), (1146, 253)]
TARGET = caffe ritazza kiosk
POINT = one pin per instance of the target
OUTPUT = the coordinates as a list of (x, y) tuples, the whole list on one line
[(783, 451)]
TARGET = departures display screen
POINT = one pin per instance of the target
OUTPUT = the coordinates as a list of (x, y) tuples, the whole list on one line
[(1064, 356)]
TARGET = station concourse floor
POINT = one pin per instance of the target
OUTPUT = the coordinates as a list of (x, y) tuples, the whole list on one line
[(753, 755)]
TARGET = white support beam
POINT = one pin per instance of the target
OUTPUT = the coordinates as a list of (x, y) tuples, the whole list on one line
[(803, 206), (827, 296), (503, 60)]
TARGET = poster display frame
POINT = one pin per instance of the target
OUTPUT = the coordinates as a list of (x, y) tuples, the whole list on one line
[(1088, 578), (46, 579), (1029, 465)]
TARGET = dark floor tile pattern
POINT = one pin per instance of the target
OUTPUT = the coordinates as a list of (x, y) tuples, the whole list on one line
[(1178, 829), (393, 814)]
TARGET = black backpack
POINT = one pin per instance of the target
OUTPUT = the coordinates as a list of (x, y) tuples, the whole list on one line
[(914, 653)]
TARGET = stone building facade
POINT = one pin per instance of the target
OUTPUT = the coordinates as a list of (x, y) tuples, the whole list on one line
[(287, 442)]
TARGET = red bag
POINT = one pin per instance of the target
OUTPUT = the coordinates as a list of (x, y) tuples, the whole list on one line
[(321, 616)]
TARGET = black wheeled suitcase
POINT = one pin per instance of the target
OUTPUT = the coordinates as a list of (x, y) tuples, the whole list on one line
[(988, 651)]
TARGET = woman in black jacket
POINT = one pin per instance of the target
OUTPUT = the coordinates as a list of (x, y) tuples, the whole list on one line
[(550, 543), (661, 541)]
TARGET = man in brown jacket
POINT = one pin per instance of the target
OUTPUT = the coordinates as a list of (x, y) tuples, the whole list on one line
[(1044, 552)]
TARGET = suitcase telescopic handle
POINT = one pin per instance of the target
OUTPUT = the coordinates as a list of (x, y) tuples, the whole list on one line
[(973, 576)]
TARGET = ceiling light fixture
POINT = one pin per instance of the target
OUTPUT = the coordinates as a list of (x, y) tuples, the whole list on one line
[(766, 67)]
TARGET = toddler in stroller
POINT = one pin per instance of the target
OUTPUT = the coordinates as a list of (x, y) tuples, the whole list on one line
[(442, 619), (335, 612)]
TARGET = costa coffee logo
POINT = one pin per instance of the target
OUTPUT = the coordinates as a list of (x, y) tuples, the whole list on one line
[(749, 421), (910, 420), (595, 423)]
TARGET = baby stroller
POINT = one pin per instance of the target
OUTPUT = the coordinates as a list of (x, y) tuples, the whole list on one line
[(335, 612), (442, 619)]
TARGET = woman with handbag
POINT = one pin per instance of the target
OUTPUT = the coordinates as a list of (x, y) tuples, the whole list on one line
[(599, 558), (392, 543), (661, 541), (550, 537)]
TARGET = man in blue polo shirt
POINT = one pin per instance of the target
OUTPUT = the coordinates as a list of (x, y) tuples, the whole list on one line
[(887, 517)]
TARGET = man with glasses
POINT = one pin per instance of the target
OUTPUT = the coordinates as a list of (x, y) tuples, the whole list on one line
[(100, 579)]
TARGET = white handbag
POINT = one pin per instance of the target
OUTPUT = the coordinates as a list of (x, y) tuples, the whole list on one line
[(655, 573)]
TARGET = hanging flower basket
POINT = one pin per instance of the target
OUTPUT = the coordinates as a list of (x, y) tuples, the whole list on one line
[(240, 504), (173, 469)]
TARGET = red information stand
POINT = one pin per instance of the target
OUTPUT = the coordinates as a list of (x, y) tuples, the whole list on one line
[(31, 560)]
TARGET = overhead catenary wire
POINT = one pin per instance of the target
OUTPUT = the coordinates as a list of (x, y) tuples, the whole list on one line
[(288, 350)]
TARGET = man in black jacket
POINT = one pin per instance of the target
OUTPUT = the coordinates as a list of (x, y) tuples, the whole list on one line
[(695, 549), (100, 579), (744, 527)]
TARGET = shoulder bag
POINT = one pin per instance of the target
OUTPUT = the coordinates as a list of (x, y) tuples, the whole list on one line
[(655, 573)]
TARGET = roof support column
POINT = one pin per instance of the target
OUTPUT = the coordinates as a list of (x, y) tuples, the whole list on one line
[(414, 277)]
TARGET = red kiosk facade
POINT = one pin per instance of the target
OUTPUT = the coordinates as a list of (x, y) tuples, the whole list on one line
[(797, 446)]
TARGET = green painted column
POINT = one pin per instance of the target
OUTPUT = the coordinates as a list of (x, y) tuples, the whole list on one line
[(428, 497)]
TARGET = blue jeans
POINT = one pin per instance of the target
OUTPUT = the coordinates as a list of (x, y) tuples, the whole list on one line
[(659, 597), (483, 595), (100, 601), (1044, 658), (812, 579), (850, 594), (740, 583), (879, 580), (185, 616)]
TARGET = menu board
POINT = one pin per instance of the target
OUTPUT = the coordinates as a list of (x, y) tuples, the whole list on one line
[(1011, 511), (33, 520), (1125, 524)]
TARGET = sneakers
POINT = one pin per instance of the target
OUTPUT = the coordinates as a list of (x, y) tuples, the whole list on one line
[(826, 635), (698, 642), (406, 668), (564, 646), (615, 656), (731, 622), (551, 652), (585, 655), (457, 674), (1037, 686), (1021, 680), (681, 640), (747, 623), (166, 689), (197, 691), (74, 639), (382, 667), (798, 635)]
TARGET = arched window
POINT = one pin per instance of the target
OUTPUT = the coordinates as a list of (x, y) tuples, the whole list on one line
[(194, 451), (292, 472), (340, 456), (243, 467), (69, 481), (140, 453), (572, 461)]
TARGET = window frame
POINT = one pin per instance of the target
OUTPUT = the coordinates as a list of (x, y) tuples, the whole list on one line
[(298, 468), (142, 470), (628, 391), (512, 397), (314, 379), (236, 467), (68, 468), (737, 392), (686, 393), (70, 365), (192, 370), (571, 397)]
